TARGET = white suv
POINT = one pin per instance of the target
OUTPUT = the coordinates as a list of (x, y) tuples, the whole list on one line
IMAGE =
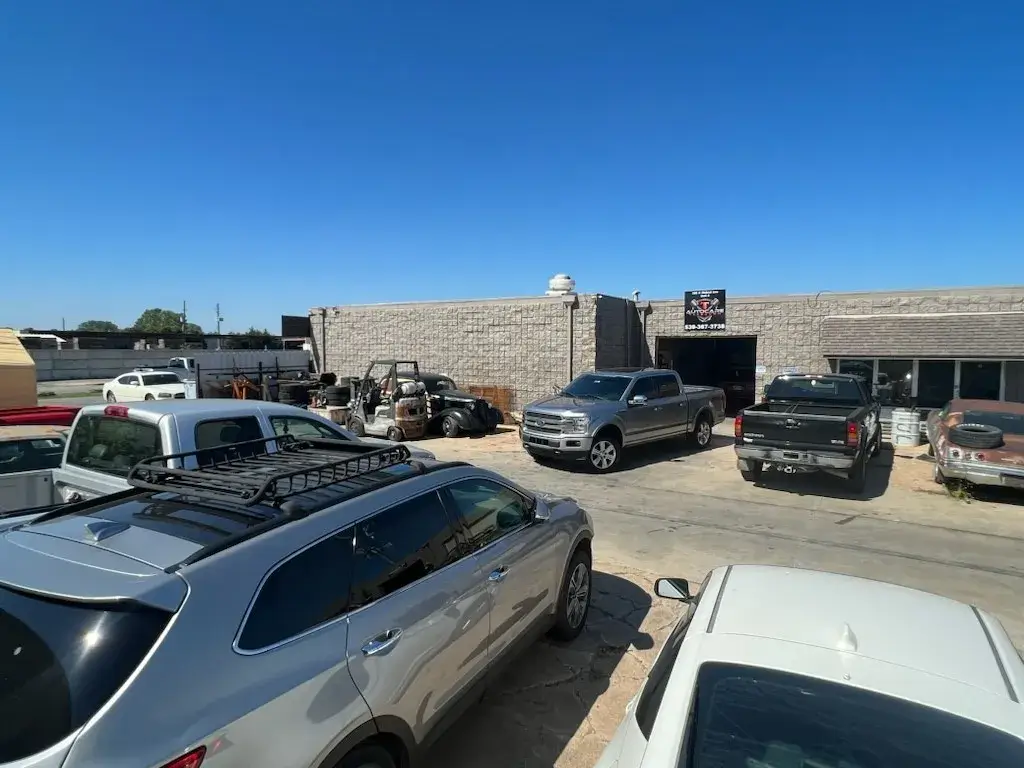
[(785, 668)]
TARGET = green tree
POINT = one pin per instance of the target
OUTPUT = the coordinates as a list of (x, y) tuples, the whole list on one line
[(98, 325), (254, 338), (163, 321)]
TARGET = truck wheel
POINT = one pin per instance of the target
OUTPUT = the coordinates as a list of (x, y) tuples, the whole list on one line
[(859, 476), (450, 426), (701, 435), (357, 428), (753, 474), (395, 435), (876, 447), (605, 454)]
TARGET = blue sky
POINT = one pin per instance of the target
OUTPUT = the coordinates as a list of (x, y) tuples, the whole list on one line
[(274, 156)]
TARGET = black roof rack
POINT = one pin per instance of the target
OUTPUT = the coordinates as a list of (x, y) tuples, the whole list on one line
[(248, 473)]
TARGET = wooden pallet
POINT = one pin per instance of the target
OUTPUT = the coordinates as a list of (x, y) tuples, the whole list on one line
[(500, 397)]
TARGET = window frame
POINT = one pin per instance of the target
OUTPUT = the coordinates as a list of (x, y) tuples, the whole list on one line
[(459, 522), (328, 432), (631, 390), (94, 420), (674, 382)]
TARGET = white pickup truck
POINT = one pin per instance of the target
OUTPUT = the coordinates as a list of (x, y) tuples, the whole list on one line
[(106, 441)]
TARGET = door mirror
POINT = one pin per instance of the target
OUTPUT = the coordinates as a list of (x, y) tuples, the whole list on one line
[(555, 389), (637, 400), (673, 589)]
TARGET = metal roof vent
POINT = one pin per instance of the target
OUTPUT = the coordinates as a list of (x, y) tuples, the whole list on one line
[(848, 640), (560, 285)]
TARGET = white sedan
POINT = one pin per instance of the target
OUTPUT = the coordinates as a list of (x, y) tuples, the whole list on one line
[(777, 667), (144, 386)]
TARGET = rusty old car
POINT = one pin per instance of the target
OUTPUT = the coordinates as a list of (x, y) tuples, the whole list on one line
[(979, 442)]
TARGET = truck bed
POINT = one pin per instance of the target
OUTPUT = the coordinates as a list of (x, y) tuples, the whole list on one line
[(57, 415), (804, 409), (798, 425)]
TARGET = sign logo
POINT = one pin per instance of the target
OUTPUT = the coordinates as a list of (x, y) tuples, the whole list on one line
[(705, 310)]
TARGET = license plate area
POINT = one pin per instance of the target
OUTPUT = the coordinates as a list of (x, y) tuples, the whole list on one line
[(791, 455), (537, 440)]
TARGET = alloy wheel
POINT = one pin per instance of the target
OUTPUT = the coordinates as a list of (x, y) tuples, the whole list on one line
[(703, 434), (603, 454), (578, 595)]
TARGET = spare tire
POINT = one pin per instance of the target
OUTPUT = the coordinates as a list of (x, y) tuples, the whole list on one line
[(976, 436)]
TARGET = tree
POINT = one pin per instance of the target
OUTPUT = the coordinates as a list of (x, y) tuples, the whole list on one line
[(104, 326), (254, 338), (163, 321)]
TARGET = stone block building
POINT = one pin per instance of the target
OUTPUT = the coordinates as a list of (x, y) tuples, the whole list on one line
[(920, 347)]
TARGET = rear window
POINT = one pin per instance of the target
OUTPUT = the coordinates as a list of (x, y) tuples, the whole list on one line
[(745, 716), (1010, 423), (160, 378), (112, 445), (60, 662), (27, 455), (840, 391), (220, 432)]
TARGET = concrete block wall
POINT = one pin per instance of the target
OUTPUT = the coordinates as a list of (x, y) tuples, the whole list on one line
[(517, 343), (68, 364)]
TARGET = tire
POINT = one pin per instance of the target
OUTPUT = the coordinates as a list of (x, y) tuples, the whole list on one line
[(931, 449), (286, 393), (937, 475), (859, 476), (876, 448), (573, 598), (111, 398), (605, 454), (701, 435), (334, 395), (395, 435), (752, 475), (356, 427), (368, 756), (150, 397), (449, 426), (976, 436)]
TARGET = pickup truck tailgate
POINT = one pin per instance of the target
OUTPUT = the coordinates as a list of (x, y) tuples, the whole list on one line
[(795, 430)]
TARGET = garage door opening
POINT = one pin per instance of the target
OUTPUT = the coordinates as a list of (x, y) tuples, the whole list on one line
[(728, 363)]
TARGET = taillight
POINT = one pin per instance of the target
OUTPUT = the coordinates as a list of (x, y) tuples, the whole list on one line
[(852, 434), (193, 759), (737, 425), (120, 412)]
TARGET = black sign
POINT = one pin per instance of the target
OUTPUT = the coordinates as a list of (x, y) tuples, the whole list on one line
[(295, 327), (705, 310)]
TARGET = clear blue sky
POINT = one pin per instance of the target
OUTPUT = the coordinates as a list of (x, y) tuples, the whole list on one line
[(274, 156)]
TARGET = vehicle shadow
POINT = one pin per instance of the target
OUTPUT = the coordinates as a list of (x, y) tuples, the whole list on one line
[(670, 450), (543, 703), (829, 486)]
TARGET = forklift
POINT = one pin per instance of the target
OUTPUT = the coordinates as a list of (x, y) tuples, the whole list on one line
[(384, 406)]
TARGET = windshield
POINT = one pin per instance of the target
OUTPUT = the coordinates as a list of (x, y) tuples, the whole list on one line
[(595, 386), (439, 384), (816, 389), (757, 717), (60, 662), (1010, 423), (112, 445), (160, 378)]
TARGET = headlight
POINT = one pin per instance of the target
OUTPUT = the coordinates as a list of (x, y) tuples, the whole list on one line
[(575, 425)]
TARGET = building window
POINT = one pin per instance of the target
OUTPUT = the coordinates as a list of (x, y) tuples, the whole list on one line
[(865, 368), (980, 380), (895, 382)]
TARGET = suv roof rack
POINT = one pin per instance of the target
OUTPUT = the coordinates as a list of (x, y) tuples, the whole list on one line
[(248, 473)]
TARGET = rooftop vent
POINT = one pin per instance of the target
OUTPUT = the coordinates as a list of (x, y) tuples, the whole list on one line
[(560, 285)]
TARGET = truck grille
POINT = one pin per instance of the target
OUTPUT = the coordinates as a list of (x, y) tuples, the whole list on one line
[(543, 423)]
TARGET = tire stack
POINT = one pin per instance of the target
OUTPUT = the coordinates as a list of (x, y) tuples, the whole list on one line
[(293, 393), (336, 396)]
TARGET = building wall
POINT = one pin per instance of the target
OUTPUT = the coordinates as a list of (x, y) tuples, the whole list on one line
[(69, 364), (521, 344), (788, 328)]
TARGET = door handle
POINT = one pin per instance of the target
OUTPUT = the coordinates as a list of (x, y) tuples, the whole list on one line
[(498, 574), (382, 642)]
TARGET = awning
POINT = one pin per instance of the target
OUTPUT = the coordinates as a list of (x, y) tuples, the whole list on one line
[(925, 336)]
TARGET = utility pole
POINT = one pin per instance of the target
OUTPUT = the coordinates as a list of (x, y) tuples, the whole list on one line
[(184, 316), (219, 321)]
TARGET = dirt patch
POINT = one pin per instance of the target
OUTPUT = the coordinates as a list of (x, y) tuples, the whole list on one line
[(912, 470), (559, 705)]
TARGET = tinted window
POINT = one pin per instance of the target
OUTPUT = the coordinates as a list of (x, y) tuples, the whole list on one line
[(645, 387), (26, 455), (667, 386), (112, 445), (816, 389), (1010, 423), (487, 510), (657, 679), (302, 428), (220, 432), (161, 378), (304, 592), (756, 717), (594, 386), (125, 380), (401, 545), (60, 662)]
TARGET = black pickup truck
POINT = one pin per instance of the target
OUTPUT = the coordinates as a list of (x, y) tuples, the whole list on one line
[(811, 423)]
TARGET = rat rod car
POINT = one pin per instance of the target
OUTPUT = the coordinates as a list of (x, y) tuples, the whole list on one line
[(979, 442), (452, 412)]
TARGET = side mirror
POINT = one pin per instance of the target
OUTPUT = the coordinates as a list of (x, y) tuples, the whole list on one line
[(638, 400), (673, 589), (555, 389)]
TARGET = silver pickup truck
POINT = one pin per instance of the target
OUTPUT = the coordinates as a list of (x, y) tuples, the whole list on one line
[(601, 413), (106, 441)]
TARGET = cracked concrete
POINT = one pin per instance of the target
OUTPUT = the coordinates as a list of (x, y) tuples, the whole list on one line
[(673, 512)]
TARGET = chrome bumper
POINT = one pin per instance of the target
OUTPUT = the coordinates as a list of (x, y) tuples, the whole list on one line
[(555, 445), (808, 459), (981, 473)]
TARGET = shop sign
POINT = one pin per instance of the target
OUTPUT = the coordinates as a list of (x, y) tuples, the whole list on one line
[(790, 370), (705, 310)]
